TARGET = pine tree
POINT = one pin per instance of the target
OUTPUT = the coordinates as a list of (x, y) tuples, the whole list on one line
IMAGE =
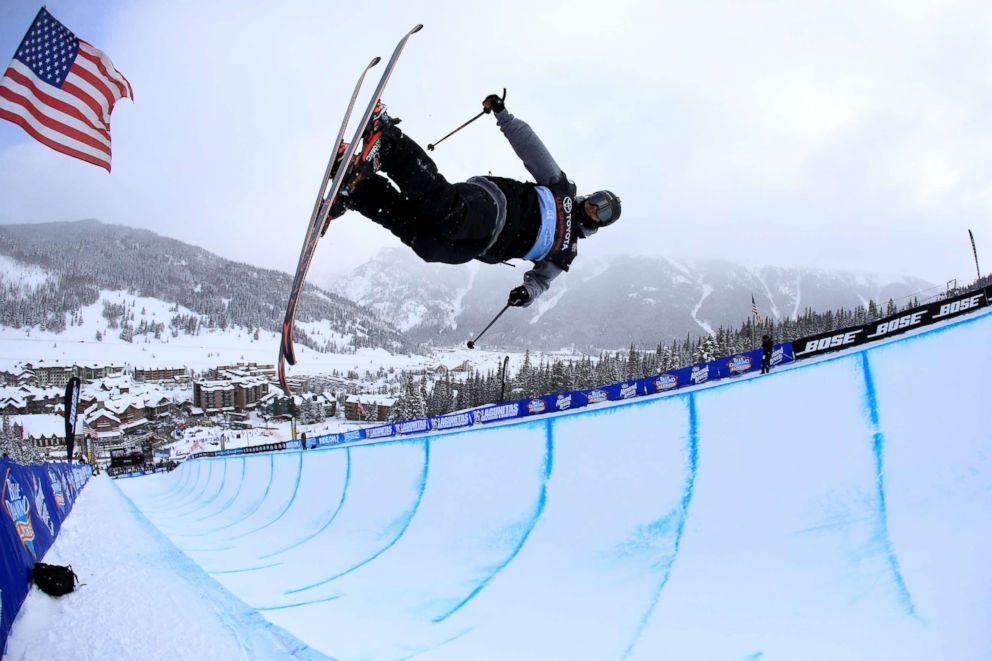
[(19, 451)]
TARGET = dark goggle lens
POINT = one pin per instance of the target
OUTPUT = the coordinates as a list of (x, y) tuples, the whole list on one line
[(604, 207)]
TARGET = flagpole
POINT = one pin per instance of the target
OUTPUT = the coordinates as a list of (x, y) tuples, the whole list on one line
[(974, 251)]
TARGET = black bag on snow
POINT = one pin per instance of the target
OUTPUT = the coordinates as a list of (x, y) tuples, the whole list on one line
[(55, 580)]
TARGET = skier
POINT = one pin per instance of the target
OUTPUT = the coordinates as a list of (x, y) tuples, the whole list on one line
[(492, 219)]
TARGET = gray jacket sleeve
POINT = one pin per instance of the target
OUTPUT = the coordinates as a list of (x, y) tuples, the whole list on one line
[(536, 157), (539, 278)]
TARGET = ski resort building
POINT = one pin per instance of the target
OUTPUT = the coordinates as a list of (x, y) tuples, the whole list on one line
[(176, 374), (356, 407), (237, 394)]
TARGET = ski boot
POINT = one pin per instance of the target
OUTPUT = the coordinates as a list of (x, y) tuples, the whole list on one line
[(365, 163)]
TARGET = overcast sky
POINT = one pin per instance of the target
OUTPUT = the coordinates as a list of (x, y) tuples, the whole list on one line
[(846, 135)]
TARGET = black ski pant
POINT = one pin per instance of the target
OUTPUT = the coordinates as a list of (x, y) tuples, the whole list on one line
[(441, 221)]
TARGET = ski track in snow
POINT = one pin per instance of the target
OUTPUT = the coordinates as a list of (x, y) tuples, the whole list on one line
[(768, 292), (460, 296), (707, 290), (548, 302)]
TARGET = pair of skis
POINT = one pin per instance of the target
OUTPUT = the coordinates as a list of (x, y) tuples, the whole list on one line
[(326, 195)]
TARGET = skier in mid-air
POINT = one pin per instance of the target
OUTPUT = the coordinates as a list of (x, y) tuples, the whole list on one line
[(492, 219)]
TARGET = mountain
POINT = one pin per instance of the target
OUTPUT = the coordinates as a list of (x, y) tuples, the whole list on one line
[(51, 271), (604, 304)]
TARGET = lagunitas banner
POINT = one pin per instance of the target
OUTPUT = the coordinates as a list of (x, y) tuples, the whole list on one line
[(71, 403), (34, 502)]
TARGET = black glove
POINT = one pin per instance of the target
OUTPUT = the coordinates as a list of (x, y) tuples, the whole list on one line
[(493, 103), (519, 296)]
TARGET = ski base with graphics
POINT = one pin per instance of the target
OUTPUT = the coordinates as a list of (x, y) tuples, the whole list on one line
[(330, 187)]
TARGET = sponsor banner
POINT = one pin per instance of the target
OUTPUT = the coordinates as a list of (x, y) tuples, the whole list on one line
[(329, 439), (741, 363), (498, 412), (70, 405), (268, 447), (418, 426), (625, 390), (615, 392), (958, 305), (451, 421), (118, 475), (563, 401), (596, 395), (382, 431), (353, 435), (666, 382), (890, 326), (251, 449), (702, 373), (815, 345), (34, 502), (782, 354)]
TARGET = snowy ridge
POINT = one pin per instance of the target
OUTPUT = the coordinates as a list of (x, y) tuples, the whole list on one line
[(659, 299)]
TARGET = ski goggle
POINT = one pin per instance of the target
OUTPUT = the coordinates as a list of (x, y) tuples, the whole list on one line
[(607, 206)]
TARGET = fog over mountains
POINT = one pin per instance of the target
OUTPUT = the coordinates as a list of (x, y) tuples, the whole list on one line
[(601, 304), (397, 302)]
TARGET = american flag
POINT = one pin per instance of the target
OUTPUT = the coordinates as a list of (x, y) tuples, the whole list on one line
[(754, 311), (61, 90), (88, 431)]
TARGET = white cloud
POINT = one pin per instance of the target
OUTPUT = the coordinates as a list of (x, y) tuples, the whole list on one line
[(809, 132)]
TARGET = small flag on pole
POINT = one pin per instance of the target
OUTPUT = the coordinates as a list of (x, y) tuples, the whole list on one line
[(61, 90), (754, 311)]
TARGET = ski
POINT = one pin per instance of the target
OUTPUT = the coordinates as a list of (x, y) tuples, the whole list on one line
[(313, 228), (324, 202)]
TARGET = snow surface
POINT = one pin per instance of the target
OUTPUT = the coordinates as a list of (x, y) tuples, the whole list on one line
[(15, 272), (78, 345), (140, 599), (837, 509)]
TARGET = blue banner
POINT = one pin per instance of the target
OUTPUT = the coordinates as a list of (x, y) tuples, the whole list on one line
[(738, 364), (35, 501), (383, 431), (666, 382), (418, 426), (498, 412), (452, 421), (353, 435), (563, 401), (329, 439)]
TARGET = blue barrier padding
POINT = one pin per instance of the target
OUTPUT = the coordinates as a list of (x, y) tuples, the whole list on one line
[(35, 501), (498, 412), (452, 421), (416, 426)]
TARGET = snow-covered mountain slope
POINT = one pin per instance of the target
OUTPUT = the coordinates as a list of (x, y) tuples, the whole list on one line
[(602, 304), (75, 280)]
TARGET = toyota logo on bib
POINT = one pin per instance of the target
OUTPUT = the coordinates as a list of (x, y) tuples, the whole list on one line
[(567, 204)]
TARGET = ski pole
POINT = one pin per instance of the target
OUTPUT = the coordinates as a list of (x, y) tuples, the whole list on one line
[(471, 343), (431, 147)]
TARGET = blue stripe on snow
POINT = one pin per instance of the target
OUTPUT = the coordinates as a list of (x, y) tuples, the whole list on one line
[(296, 489), (690, 483), (878, 447), (538, 511), (344, 493), (406, 524)]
